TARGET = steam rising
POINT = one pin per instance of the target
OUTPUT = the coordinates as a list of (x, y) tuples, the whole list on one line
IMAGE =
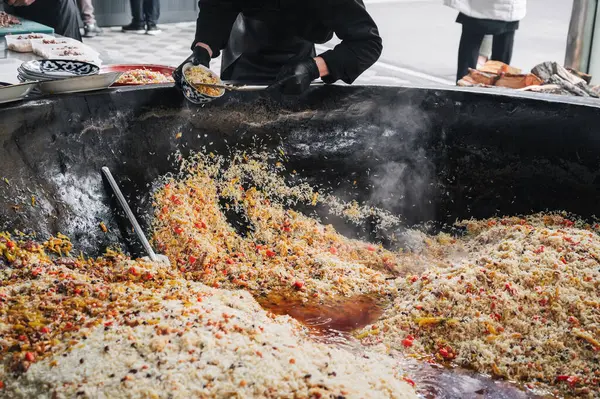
[(405, 176)]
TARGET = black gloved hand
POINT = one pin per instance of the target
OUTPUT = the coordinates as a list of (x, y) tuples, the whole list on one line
[(200, 56), (296, 78)]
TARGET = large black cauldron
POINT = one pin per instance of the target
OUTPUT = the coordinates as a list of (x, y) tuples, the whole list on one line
[(427, 154)]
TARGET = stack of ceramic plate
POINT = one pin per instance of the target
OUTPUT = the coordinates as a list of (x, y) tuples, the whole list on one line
[(47, 70)]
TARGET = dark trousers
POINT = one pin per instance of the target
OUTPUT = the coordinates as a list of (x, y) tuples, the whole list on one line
[(145, 11), (62, 15), (470, 42)]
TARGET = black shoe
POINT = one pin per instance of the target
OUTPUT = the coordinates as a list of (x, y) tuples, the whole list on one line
[(92, 30), (153, 30), (134, 28)]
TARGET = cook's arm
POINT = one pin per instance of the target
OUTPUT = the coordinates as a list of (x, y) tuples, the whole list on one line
[(215, 19), (361, 44)]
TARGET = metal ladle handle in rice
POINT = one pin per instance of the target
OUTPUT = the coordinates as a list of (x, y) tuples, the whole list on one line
[(228, 87), (241, 88), (136, 227)]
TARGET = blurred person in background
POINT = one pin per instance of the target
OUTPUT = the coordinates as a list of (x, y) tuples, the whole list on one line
[(499, 18), (273, 42), (145, 15), (90, 28), (58, 14)]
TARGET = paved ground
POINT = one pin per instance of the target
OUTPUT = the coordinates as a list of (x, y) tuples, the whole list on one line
[(420, 40)]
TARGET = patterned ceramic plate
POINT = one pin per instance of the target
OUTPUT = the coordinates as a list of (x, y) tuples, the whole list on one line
[(192, 93), (59, 68)]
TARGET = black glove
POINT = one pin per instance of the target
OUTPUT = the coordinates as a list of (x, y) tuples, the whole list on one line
[(200, 56), (296, 78)]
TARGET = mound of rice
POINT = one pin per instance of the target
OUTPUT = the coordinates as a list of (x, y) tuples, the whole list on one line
[(285, 249), (114, 327), (516, 297), (519, 298)]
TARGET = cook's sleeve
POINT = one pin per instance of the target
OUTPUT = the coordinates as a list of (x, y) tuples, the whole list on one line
[(361, 44), (215, 19)]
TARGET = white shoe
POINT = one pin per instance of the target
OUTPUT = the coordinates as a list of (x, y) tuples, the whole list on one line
[(153, 30)]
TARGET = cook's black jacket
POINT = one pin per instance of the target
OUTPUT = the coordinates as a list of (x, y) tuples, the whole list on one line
[(312, 20)]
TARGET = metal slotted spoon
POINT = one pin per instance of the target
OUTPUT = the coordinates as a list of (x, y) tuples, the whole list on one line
[(136, 226)]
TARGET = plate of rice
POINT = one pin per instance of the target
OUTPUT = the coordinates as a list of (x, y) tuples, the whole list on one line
[(140, 74), (197, 74)]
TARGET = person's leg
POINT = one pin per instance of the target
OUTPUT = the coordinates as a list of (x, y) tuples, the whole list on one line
[(502, 48), (80, 5), (87, 12), (138, 22), (90, 27), (468, 51), (152, 13), (137, 12), (68, 21)]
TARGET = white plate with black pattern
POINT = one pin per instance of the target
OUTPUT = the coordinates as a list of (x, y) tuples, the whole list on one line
[(60, 68)]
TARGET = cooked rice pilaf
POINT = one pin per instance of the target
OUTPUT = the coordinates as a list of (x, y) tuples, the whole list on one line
[(197, 74), (114, 327), (515, 297), (144, 76), (286, 249), (519, 298)]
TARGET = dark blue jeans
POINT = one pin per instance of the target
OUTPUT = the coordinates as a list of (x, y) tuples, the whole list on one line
[(145, 11)]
